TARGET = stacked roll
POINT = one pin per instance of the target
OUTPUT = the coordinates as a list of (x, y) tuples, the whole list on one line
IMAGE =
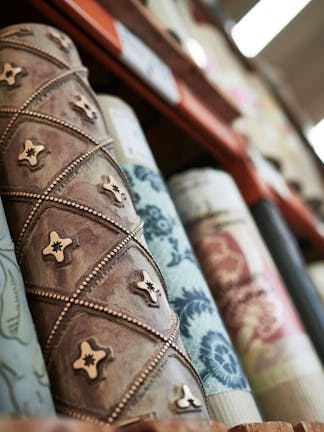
[(228, 392), (110, 340), (23, 378), (277, 355), (316, 273)]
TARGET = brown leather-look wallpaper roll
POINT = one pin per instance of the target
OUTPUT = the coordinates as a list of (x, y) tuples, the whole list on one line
[(177, 426), (51, 424), (110, 340), (275, 350)]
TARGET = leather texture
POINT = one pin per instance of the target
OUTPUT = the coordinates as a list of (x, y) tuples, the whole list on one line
[(24, 382), (178, 426), (309, 427), (264, 427), (287, 256), (65, 425), (110, 340), (51, 425)]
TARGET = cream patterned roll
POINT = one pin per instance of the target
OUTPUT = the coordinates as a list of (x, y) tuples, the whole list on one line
[(24, 385), (201, 327), (277, 355)]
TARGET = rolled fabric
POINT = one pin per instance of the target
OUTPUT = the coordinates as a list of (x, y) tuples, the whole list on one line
[(51, 425), (264, 427), (178, 426), (276, 353), (316, 273), (24, 384), (309, 427), (110, 340), (203, 333), (168, 15), (289, 260)]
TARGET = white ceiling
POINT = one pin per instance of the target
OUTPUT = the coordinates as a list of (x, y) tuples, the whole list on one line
[(297, 53)]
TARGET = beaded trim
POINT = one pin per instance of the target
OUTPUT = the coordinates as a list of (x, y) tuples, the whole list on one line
[(73, 300)]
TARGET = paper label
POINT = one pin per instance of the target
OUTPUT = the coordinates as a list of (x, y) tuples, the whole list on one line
[(132, 145), (254, 304), (143, 60)]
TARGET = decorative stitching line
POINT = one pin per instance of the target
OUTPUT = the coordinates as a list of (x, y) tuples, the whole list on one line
[(98, 268), (51, 120), (117, 315), (86, 209), (142, 376), (45, 86), (17, 43)]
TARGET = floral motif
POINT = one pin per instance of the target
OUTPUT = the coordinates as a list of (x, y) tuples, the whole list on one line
[(220, 362), (57, 246), (9, 73), (30, 153), (60, 39), (85, 107), (156, 224), (89, 359), (113, 188), (192, 302), (136, 196), (145, 174), (176, 256), (187, 402), (148, 289)]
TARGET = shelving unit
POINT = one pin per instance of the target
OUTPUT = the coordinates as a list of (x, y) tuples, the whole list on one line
[(198, 108)]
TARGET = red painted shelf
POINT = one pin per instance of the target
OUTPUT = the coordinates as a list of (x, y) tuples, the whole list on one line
[(201, 110)]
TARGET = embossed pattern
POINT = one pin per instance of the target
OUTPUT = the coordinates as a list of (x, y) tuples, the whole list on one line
[(84, 305)]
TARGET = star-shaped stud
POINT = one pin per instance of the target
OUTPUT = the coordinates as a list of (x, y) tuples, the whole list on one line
[(60, 39), (112, 186), (188, 402), (9, 74), (148, 289), (89, 359), (82, 103), (30, 153), (56, 246)]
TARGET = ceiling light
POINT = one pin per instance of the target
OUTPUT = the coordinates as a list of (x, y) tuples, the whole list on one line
[(316, 138), (263, 22)]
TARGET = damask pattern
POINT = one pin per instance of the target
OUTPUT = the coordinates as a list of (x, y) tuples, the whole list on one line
[(23, 379), (201, 327)]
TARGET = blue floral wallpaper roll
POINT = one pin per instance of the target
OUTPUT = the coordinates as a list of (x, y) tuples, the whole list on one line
[(24, 385), (200, 324), (201, 327)]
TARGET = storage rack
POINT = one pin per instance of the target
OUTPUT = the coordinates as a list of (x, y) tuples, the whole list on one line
[(203, 111)]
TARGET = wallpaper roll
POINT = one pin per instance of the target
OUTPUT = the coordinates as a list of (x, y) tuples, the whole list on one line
[(201, 327), (110, 340), (316, 273), (288, 258), (24, 385), (168, 16), (276, 353), (179, 426), (51, 425)]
